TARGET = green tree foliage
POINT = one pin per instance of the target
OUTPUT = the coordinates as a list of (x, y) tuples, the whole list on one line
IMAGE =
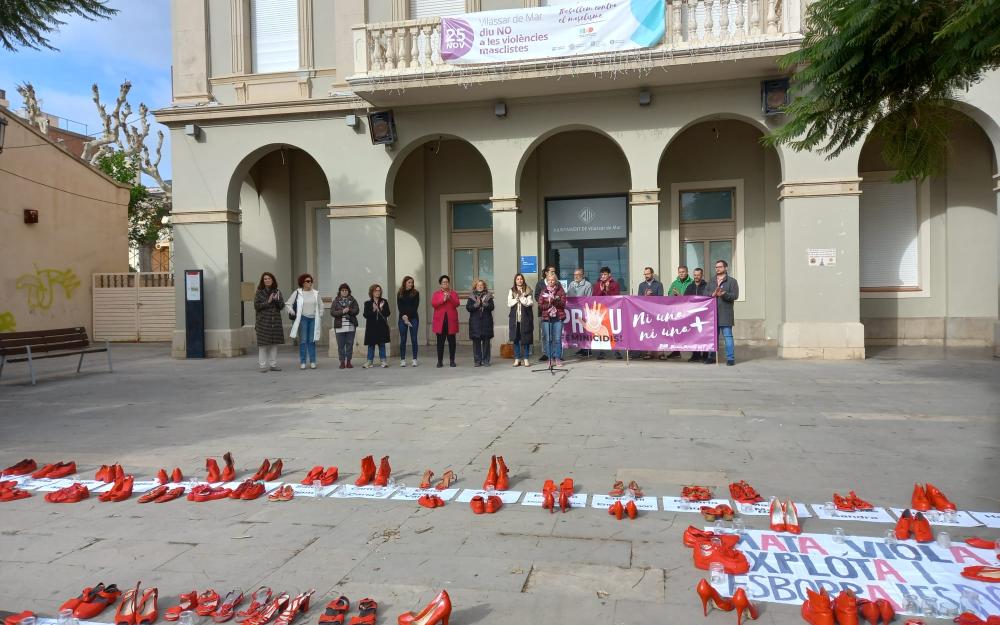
[(145, 213), (892, 66), (27, 23)]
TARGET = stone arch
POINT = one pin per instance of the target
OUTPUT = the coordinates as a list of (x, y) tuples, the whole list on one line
[(543, 137), (751, 121), (400, 157), (245, 164)]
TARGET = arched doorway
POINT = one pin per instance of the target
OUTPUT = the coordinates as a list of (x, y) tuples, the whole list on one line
[(719, 200), (929, 249), (573, 189)]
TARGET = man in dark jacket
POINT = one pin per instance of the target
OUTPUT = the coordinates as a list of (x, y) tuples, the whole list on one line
[(698, 286), (607, 285), (726, 290), (538, 289)]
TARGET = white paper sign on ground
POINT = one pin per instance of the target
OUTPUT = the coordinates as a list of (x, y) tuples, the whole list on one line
[(603, 502), (962, 518), (762, 508), (27, 483), (782, 566), (144, 486), (363, 492), (53, 485), (19, 479), (412, 494), (989, 519), (302, 490), (578, 500), (875, 515), (679, 504), (506, 496)]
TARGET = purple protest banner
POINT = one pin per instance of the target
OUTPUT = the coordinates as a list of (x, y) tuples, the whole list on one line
[(655, 324)]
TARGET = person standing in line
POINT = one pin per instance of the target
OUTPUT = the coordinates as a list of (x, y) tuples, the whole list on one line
[(307, 308), (579, 286), (727, 291), (538, 289), (408, 306), (268, 302), (480, 306), (552, 304), (677, 288), (649, 287), (376, 316), (445, 303), (698, 286), (520, 321), (344, 310), (605, 286)]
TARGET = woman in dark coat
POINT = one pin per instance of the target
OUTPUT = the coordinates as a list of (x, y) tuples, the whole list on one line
[(345, 310), (376, 316), (268, 302), (520, 321), (480, 306)]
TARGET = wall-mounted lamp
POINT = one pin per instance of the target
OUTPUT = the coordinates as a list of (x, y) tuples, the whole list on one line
[(645, 98), (3, 131), (382, 127), (500, 109), (774, 96), (351, 120), (192, 130), (30, 216)]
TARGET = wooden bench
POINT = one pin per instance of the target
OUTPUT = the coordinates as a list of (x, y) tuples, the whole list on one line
[(39, 344)]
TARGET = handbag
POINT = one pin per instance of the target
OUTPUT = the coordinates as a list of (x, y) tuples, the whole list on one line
[(295, 307)]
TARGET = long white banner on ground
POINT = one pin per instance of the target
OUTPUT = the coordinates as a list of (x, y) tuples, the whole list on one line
[(554, 31), (782, 566)]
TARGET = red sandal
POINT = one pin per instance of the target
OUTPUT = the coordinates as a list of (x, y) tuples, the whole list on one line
[(336, 611)]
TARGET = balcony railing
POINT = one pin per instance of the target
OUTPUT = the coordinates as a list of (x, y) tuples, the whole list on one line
[(411, 49)]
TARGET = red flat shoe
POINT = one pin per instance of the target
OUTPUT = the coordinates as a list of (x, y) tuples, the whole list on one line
[(229, 473), (437, 611), (262, 471), (617, 510), (493, 503), (214, 474), (438, 502), (903, 525), (170, 495), (157, 492), (634, 489), (384, 471), (707, 593), (99, 602), (744, 607), (367, 471), (980, 543), (919, 500), (869, 611), (162, 477), (176, 476), (239, 490), (989, 574), (885, 610), (227, 607), (858, 502), (478, 504), (121, 491), (254, 491), (329, 476), (425, 481), (204, 492), (503, 478), (732, 560), (844, 504), (87, 595), (104, 474), (43, 472), (617, 489), (921, 528), (13, 494), (26, 466), (287, 492), (938, 500), (817, 609), (845, 608), (187, 602), (312, 476), (275, 471), (207, 602), (15, 619), (631, 510), (71, 494), (426, 501), (336, 611), (147, 611), (694, 537)]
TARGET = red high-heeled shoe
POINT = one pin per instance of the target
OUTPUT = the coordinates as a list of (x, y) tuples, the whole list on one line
[(214, 474), (564, 502), (777, 516), (617, 510), (816, 609), (937, 498), (275, 471), (792, 518), (548, 501), (162, 477), (367, 471), (126, 612), (903, 525), (437, 611), (313, 475), (478, 504), (845, 608), (919, 500), (229, 473), (634, 489), (384, 471), (868, 611), (176, 476), (208, 601), (503, 479), (858, 502), (706, 592), (265, 466), (567, 486), (447, 479), (425, 481), (187, 603), (258, 599), (329, 476), (885, 610), (743, 606), (367, 612), (617, 489), (266, 613), (631, 510), (295, 607), (921, 528), (227, 607), (491, 475), (147, 610)]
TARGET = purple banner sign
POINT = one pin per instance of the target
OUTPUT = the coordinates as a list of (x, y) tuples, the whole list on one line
[(653, 324)]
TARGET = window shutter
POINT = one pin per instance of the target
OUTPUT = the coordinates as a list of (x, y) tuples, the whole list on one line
[(889, 235), (420, 9), (274, 33)]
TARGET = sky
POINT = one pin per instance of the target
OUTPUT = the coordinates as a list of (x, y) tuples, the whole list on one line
[(134, 45)]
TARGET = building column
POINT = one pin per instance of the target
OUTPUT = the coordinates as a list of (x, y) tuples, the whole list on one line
[(190, 57), (210, 240), (506, 260), (821, 308), (362, 244), (996, 323), (644, 235)]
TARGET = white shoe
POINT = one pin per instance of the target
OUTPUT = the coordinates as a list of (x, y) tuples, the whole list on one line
[(312, 365), (302, 366), (367, 365), (263, 369), (402, 363), (414, 362), (526, 363), (383, 364), (517, 362)]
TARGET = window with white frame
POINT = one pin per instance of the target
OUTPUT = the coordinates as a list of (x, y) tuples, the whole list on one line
[(708, 227), (471, 244), (420, 9), (890, 236), (274, 35)]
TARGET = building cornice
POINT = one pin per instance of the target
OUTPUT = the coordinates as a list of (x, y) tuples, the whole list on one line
[(180, 115), (819, 187)]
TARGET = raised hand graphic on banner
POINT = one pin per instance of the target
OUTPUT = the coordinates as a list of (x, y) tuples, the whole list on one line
[(597, 322)]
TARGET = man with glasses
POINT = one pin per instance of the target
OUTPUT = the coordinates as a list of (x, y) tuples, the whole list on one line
[(579, 286), (726, 290)]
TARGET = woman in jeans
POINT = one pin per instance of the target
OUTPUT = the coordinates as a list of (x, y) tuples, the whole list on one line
[(307, 306), (445, 322), (520, 322), (407, 305), (480, 307), (345, 324), (552, 306), (376, 326), (268, 303)]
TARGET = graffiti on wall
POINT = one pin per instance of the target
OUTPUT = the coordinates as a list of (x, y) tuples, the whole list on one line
[(7, 322), (40, 286)]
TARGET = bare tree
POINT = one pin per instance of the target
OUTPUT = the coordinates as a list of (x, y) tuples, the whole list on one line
[(31, 108)]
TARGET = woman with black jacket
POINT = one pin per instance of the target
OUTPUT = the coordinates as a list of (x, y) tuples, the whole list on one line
[(376, 316), (344, 309), (408, 306), (268, 303), (520, 321), (480, 306)]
